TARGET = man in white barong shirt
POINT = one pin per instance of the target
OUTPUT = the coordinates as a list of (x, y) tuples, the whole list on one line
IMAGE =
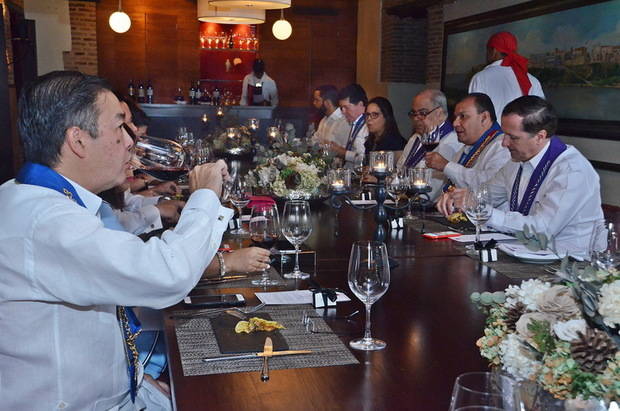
[(429, 114), (64, 274), (482, 154), (333, 126), (352, 100), (548, 185)]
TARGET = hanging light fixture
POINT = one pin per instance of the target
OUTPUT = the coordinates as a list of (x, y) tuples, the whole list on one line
[(225, 15), (282, 29), (119, 20), (256, 4)]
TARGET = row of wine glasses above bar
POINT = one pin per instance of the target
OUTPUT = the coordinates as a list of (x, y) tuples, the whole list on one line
[(228, 41)]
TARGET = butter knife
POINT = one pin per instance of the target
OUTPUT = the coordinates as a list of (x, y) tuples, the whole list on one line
[(256, 355), (267, 353)]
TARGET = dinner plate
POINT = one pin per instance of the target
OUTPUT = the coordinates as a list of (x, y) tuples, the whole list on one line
[(520, 252)]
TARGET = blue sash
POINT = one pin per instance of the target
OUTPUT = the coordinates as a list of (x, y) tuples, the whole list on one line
[(355, 129), (556, 147), (418, 151), (465, 157), (43, 176)]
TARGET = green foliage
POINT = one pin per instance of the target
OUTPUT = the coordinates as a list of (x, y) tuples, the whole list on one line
[(587, 385), (542, 335), (532, 240)]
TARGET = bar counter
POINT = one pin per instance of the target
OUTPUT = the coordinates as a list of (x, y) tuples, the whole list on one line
[(425, 317)]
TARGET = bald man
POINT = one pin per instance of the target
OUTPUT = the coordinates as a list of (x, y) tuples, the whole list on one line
[(506, 77)]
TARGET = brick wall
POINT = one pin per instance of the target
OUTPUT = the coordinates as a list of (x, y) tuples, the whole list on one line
[(434, 45), (403, 49), (83, 54)]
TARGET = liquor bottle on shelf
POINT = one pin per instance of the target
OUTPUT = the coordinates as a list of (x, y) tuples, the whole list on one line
[(179, 99), (141, 93), (131, 90), (206, 96), (231, 42), (192, 94), (150, 92), (216, 97), (198, 96)]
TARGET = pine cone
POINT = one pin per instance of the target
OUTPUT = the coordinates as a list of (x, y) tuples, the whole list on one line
[(513, 315), (593, 350)]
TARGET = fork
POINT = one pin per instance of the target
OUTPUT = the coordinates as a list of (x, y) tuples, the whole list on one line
[(243, 313)]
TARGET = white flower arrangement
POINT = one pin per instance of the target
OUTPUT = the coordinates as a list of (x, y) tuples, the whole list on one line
[(290, 175), (609, 303), (527, 293)]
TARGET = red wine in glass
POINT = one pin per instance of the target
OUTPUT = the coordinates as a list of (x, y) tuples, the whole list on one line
[(266, 241), (165, 174), (430, 146)]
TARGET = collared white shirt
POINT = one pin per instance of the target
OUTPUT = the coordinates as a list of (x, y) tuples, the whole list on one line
[(501, 85), (140, 214), (448, 146), (528, 169), (358, 149), (62, 276), (334, 127), (566, 206), (492, 158), (270, 91)]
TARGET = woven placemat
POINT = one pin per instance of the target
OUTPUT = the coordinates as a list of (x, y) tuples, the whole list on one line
[(196, 340), (517, 270), (426, 226)]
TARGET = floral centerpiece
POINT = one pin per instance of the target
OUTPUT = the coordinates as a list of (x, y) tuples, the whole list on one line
[(290, 175), (562, 334)]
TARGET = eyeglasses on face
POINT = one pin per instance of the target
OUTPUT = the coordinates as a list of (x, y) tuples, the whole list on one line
[(372, 115), (421, 113)]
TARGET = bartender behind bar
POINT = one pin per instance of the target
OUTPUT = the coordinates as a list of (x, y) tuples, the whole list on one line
[(258, 88)]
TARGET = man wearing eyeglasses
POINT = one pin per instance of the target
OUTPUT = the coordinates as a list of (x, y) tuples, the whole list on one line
[(482, 154), (429, 116), (352, 100)]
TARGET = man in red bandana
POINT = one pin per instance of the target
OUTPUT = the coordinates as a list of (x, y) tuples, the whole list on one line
[(506, 77)]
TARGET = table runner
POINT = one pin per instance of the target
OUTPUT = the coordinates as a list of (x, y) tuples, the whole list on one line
[(247, 282), (196, 340)]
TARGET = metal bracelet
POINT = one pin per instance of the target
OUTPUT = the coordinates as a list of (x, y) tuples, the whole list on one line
[(220, 259)]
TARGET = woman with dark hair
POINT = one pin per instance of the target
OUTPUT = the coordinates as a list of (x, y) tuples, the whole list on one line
[(382, 128)]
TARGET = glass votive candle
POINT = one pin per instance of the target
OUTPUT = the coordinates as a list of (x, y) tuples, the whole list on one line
[(253, 124), (219, 112), (420, 178), (204, 118), (339, 180), (231, 132), (381, 162), (272, 132)]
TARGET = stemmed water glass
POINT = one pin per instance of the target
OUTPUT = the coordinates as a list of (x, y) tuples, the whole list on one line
[(264, 231), (396, 185), (296, 227), (485, 391), (478, 208), (605, 245), (369, 279), (239, 196)]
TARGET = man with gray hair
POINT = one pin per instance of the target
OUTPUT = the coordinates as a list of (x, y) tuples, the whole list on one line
[(429, 115), (68, 339)]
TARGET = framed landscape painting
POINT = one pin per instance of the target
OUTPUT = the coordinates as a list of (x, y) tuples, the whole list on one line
[(573, 48)]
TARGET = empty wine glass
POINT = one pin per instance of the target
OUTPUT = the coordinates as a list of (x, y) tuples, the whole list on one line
[(296, 227), (369, 279), (487, 391), (239, 196), (605, 245), (162, 158), (396, 185), (264, 231), (477, 207)]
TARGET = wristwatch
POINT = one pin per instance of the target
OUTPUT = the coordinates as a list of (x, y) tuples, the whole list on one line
[(220, 259)]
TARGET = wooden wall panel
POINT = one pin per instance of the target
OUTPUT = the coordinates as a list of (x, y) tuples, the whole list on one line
[(321, 49)]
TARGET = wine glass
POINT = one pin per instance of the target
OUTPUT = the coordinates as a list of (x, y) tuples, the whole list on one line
[(605, 245), (430, 139), (396, 185), (161, 158), (369, 279), (477, 207), (296, 227), (264, 231), (239, 196), (487, 391)]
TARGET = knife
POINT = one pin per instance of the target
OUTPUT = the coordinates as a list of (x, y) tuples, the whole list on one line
[(256, 355), (267, 352)]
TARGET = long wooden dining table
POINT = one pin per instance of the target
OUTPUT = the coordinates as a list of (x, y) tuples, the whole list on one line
[(426, 317)]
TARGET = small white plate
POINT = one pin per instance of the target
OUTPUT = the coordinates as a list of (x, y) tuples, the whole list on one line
[(521, 252)]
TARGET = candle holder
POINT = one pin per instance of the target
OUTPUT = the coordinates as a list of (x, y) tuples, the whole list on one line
[(339, 180), (253, 124), (219, 112), (204, 119), (381, 166), (419, 188), (231, 132)]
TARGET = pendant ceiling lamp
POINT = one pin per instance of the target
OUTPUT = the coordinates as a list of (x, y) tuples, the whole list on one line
[(119, 20), (282, 29), (226, 15), (256, 4)]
